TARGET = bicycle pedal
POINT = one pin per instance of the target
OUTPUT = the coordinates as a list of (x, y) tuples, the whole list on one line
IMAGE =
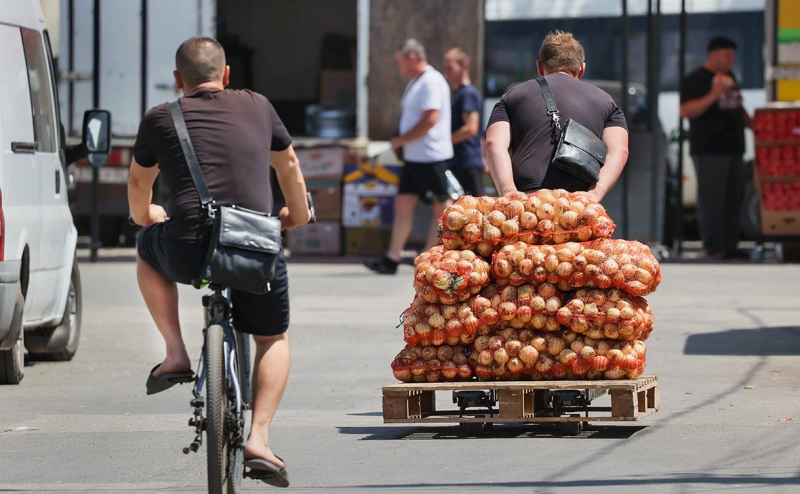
[(258, 474)]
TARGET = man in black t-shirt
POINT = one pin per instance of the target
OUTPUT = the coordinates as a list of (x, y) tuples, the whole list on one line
[(237, 136), (520, 123), (712, 101), (465, 123)]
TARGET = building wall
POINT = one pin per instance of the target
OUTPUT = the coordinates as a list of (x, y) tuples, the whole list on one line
[(439, 25)]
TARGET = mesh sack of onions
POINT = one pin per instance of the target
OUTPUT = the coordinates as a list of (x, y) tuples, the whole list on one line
[(431, 363), (436, 324), (610, 314), (604, 263), (449, 276), (509, 354), (527, 306), (542, 217), (524, 307)]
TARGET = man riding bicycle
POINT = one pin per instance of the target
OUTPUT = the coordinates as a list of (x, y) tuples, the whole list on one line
[(237, 135)]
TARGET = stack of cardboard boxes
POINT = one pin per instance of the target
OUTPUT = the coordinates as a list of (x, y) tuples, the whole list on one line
[(369, 190), (322, 168), (354, 202)]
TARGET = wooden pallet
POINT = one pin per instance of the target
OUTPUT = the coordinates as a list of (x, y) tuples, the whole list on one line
[(523, 401)]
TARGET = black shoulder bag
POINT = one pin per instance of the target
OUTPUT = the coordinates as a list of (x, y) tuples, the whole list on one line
[(245, 244), (579, 151)]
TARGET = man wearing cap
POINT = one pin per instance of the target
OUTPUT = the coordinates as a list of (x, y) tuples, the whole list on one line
[(712, 101)]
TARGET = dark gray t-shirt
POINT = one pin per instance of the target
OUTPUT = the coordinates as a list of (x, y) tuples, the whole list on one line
[(720, 129), (524, 109), (233, 132)]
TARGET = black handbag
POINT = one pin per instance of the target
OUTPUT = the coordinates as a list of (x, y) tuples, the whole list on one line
[(245, 244), (578, 151)]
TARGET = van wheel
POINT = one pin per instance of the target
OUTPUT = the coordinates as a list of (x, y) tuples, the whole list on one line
[(12, 361), (37, 341)]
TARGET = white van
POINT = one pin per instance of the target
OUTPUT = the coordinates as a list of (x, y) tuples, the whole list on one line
[(40, 291)]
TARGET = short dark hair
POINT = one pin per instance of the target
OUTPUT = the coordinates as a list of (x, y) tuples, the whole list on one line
[(721, 42), (560, 50), (200, 60)]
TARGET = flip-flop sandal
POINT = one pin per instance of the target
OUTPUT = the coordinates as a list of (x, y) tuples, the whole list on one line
[(266, 471), (157, 384)]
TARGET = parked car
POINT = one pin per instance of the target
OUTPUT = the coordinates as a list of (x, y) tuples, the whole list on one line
[(40, 287)]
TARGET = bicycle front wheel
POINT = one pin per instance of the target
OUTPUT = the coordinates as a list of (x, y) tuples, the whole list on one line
[(217, 406)]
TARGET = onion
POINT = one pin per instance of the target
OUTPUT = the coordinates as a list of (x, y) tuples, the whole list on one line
[(501, 356), (528, 354), (472, 232), (456, 220), (515, 365), (485, 357), (615, 374), (449, 370), (543, 364), (495, 342), (567, 356), (403, 375), (466, 338), (553, 304), (555, 345), (418, 368), (433, 376), (539, 343), (464, 371), (545, 212)]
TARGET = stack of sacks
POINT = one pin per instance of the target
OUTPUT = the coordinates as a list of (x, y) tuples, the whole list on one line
[(528, 286)]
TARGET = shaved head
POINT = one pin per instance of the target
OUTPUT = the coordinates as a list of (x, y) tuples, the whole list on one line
[(200, 60)]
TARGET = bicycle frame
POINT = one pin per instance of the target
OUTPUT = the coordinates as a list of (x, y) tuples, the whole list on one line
[(237, 362)]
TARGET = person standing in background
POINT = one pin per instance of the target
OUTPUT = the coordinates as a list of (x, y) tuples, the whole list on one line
[(426, 147), (466, 113), (712, 101)]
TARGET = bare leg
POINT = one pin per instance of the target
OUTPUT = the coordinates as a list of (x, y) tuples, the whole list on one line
[(437, 209), (270, 374), (403, 222), (161, 297)]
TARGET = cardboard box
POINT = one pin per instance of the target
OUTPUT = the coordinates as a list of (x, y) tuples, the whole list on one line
[(325, 161), (366, 241), (776, 223), (780, 222), (368, 197), (316, 238), (337, 88), (326, 192)]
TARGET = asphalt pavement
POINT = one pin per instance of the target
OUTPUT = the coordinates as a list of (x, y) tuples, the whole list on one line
[(726, 350)]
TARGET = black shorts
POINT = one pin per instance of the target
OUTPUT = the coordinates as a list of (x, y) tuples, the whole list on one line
[(426, 180), (182, 261), (471, 179)]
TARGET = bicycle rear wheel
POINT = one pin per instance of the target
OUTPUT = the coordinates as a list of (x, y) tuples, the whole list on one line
[(217, 401)]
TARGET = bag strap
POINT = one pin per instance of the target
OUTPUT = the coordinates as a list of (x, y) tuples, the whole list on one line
[(552, 109), (191, 158)]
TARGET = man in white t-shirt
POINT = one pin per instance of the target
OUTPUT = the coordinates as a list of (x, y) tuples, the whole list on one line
[(426, 148)]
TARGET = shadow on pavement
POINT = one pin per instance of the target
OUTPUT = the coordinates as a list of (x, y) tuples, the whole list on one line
[(780, 340), (496, 432), (639, 481)]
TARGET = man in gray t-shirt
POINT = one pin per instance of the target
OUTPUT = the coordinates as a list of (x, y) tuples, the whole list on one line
[(520, 123), (426, 148)]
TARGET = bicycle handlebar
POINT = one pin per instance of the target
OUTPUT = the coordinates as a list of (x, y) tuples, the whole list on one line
[(311, 208)]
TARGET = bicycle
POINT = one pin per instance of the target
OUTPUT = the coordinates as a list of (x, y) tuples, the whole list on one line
[(224, 368)]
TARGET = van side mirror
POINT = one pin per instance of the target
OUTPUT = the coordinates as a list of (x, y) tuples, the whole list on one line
[(97, 136)]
